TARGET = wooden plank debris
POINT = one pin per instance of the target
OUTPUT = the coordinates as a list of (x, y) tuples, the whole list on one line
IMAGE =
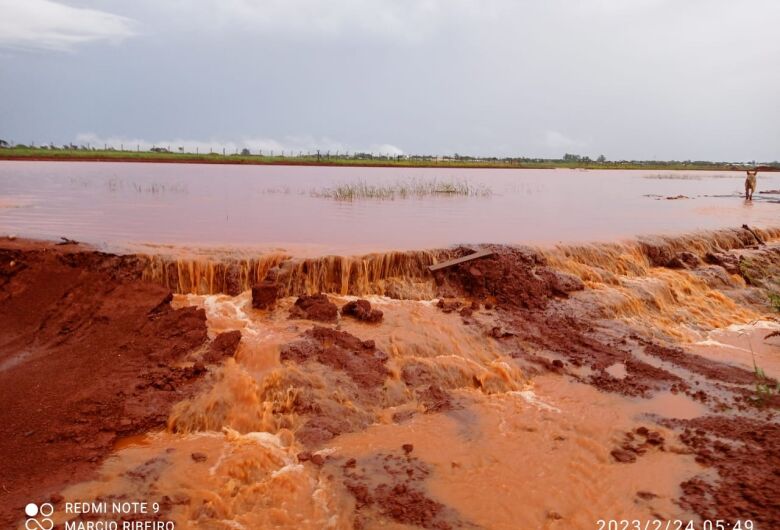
[(451, 262)]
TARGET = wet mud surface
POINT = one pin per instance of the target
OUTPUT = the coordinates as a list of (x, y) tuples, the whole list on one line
[(740, 443), (569, 375), (88, 355)]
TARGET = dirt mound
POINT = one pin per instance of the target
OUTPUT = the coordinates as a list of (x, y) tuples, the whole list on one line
[(342, 351), (316, 307), (87, 356), (513, 277), (224, 345)]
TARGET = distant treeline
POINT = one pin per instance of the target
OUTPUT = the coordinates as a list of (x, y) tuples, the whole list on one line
[(245, 156)]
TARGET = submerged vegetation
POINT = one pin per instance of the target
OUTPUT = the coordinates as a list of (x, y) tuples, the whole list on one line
[(766, 387), (774, 301), (402, 190)]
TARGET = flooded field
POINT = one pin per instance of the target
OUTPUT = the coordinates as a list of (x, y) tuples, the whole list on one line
[(317, 211)]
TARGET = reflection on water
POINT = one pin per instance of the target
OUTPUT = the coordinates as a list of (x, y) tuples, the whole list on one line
[(265, 206)]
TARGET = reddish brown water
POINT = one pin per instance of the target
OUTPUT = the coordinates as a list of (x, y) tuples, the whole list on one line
[(125, 204), (519, 454), (521, 450)]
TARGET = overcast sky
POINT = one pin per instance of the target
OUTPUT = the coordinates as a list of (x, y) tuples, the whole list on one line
[(636, 79)]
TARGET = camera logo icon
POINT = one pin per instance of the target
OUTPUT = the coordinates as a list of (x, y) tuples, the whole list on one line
[(39, 517)]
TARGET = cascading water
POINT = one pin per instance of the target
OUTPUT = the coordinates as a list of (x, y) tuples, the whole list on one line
[(453, 412)]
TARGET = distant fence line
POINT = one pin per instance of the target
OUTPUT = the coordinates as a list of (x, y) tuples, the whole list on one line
[(567, 159)]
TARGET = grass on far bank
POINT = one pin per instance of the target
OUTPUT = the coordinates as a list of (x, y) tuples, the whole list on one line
[(360, 159)]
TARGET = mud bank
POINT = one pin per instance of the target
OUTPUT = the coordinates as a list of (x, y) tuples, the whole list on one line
[(89, 355), (528, 389)]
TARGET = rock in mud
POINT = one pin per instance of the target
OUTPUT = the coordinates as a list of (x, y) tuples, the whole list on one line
[(684, 260), (498, 332), (623, 456), (434, 399), (224, 345), (315, 307), (448, 306), (730, 262), (362, 310), (265, 294), (321, 429), (561, 283)]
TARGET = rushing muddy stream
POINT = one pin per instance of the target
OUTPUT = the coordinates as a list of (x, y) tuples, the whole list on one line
[(117, 204), (529, 389)]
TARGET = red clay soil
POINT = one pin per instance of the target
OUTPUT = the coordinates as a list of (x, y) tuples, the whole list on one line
[(741, 443), (315, 307), (746, 454), (392, 486), (362, 310), (88, 355), (339, 350), (358, 370)]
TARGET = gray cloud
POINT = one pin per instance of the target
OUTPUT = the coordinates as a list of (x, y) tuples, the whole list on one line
[(48, 25), (639, 79), (289, 145)]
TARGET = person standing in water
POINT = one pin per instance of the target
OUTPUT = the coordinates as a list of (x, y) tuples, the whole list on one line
[(750, 184)]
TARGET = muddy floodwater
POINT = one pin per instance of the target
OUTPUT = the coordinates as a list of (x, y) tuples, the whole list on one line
[(237, 362), (122, 205)]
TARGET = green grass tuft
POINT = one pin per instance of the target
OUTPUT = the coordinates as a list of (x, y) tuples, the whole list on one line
[(402, 190)]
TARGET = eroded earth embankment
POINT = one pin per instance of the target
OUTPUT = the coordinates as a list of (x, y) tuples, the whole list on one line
[(526, 389), (89, 355)]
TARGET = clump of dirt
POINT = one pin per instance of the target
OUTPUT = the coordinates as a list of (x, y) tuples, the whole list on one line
[(224, 345), (319, 405), (684, 260), (315, 307), (357, 375), (641, 379), (513, 277), (392, 486), (428, 386), (434, 399), (362, 310), (88, 355), (322, 428), (636, 443), (760, 267), (746, 454), (341, 351), (265, 294), (701, 365), (448, 305)]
